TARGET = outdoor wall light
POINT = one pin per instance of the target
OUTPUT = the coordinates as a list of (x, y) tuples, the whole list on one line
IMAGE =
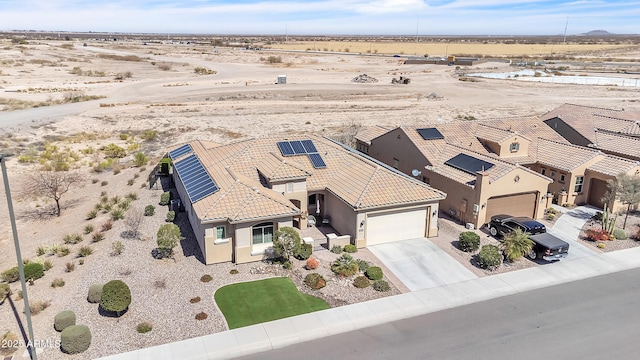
[(435, 212), (362, 224)]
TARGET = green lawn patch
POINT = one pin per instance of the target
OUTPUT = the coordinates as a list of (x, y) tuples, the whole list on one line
[(260, 301)]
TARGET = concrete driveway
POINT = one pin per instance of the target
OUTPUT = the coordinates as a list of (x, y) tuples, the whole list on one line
[(568, 227), (420, 264)]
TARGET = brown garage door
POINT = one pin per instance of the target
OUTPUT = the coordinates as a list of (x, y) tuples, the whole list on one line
[(597, 189), (515, 205)]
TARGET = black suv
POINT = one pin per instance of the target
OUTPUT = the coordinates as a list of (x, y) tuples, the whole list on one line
[(502, 224)]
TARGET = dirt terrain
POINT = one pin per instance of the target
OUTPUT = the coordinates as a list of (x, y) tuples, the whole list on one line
[(185, 92)]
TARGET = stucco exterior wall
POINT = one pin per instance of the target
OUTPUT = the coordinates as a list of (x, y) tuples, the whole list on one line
[(396, 145), (343, 218), (245, 251)]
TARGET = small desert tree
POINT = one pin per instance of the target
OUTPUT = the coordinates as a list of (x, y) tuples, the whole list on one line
[(168, 238), (516, 244), (286, 242), (625, 188), (133, 221), (51, 184)]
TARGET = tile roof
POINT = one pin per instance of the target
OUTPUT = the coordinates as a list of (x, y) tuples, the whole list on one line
[(613, 165), (493, 134), (617, 143), (372, 132), (556, 154), (573, 109), (359, 181)]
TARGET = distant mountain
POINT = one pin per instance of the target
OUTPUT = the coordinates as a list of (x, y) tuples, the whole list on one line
[(597, 33)]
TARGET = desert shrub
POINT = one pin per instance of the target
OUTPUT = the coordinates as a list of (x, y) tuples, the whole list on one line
[(144, 327), (10, 343), (286, 242), (345, 265), (171, 215), (106, 226), (88, 229), (117, 248), (206, 278), (57, 282), (41, 250), (132, 196), (195, 300), (114, 151), (104, 183), (361, 282), (5, 291), (305, 251), (168, 237), (85, 251), (350, 248), (203, 71), (160, 284), (149, 135), (315, 281), (165, 198), (381, 285), (140, 159), (374, 273), (95, 293), (75, 339), (116, 297), (63, 320), (11, 275), (33, 271), (363, 265), (117, 214), (595, 235), (72, 238), (81, 262), (130, 182), (47, 265), (336, 249), (149, 210), (36, 307), (489, 257), (468, 241), (70, 266), (233, 271), (620, 234), (286, 265), (274, 60), (201, 316), (601, 245), (96, 237), (62, 251), (312, 263)]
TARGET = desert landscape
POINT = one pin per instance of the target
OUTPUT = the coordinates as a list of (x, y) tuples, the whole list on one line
[(66, 101)]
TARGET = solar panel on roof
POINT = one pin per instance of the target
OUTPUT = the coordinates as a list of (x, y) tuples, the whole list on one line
[(468, 164), (430, 134), (176, 153), (285, 148), (309, 146), (297, 147), (317, 161), (195, 178)]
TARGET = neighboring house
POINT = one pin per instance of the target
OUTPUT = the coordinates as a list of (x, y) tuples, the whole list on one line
[(237, 195)]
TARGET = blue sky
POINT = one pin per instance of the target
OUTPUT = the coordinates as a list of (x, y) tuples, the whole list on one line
[(324, 17)]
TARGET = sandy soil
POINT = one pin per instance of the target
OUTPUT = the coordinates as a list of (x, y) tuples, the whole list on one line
[(239, 101)]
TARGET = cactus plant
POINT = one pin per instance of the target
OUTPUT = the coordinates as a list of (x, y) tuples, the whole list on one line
[(608, 221)]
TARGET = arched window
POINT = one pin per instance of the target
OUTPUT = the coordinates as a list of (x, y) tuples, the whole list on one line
[(262, 233)]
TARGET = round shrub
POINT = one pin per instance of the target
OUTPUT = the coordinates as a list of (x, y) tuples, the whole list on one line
[(33, 271), (11, 275), (149, 210), (75, 339), (63, 320), (336, 249), (312, 263), (315, 281), (116, 297), (144, 327), (468, 241), (374, 273), (489, 257), (345, 266), (601, 245), (5, 291), (95, 293), (620, 234), (381, 285), (195, 300), (201, 316), (361, 282), (206, 278), (233, 271), (305, 251), (350, 248), (363, 265)]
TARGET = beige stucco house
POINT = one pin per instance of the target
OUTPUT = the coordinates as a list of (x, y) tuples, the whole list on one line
[(237, 195)]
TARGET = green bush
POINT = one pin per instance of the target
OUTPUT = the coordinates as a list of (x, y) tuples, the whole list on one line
[(140, 159), (85, 251), (620, 234), (144, 327), (286, 242), (114, 151), (171, 215), (361, 282), (88, 229), (489, 257), (350, 248), (11, 275), (168, 237), (116, 297), (5, 291), (206, 278), (149, 210), (336, 249), (63, 320), (165, 198), (345, 265), (315, 281), (75, 339), (72, 238), (33, 271), (95, 293), (468, 241), (305, 252), (363, 265), (117, 214), (381, 285), (57, 282), (374, 273)]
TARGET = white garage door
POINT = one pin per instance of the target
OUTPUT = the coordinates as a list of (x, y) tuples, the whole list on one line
[(397, 225)]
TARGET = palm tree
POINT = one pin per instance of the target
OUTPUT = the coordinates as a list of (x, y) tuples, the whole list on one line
[(516, 244)]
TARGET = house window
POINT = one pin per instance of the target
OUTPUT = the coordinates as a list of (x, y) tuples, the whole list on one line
[(289, 187), (514, 147), (562, 178), (579, 182), (262, 233), (543, 171), (396, 163), (553, 174), (220, 232), (425, 180)]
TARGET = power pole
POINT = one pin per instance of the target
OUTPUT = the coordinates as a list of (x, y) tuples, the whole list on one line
[(564, 40), (27, 311)]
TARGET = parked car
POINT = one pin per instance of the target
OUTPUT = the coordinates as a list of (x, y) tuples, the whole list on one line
[(547, 246)]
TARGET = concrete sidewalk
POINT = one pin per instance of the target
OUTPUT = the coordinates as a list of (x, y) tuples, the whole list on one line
[(280, 333)]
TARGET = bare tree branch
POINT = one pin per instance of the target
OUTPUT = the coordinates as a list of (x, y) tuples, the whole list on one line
[(51, 184)]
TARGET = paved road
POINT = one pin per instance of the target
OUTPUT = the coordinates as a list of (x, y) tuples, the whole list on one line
[(596, 318)]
